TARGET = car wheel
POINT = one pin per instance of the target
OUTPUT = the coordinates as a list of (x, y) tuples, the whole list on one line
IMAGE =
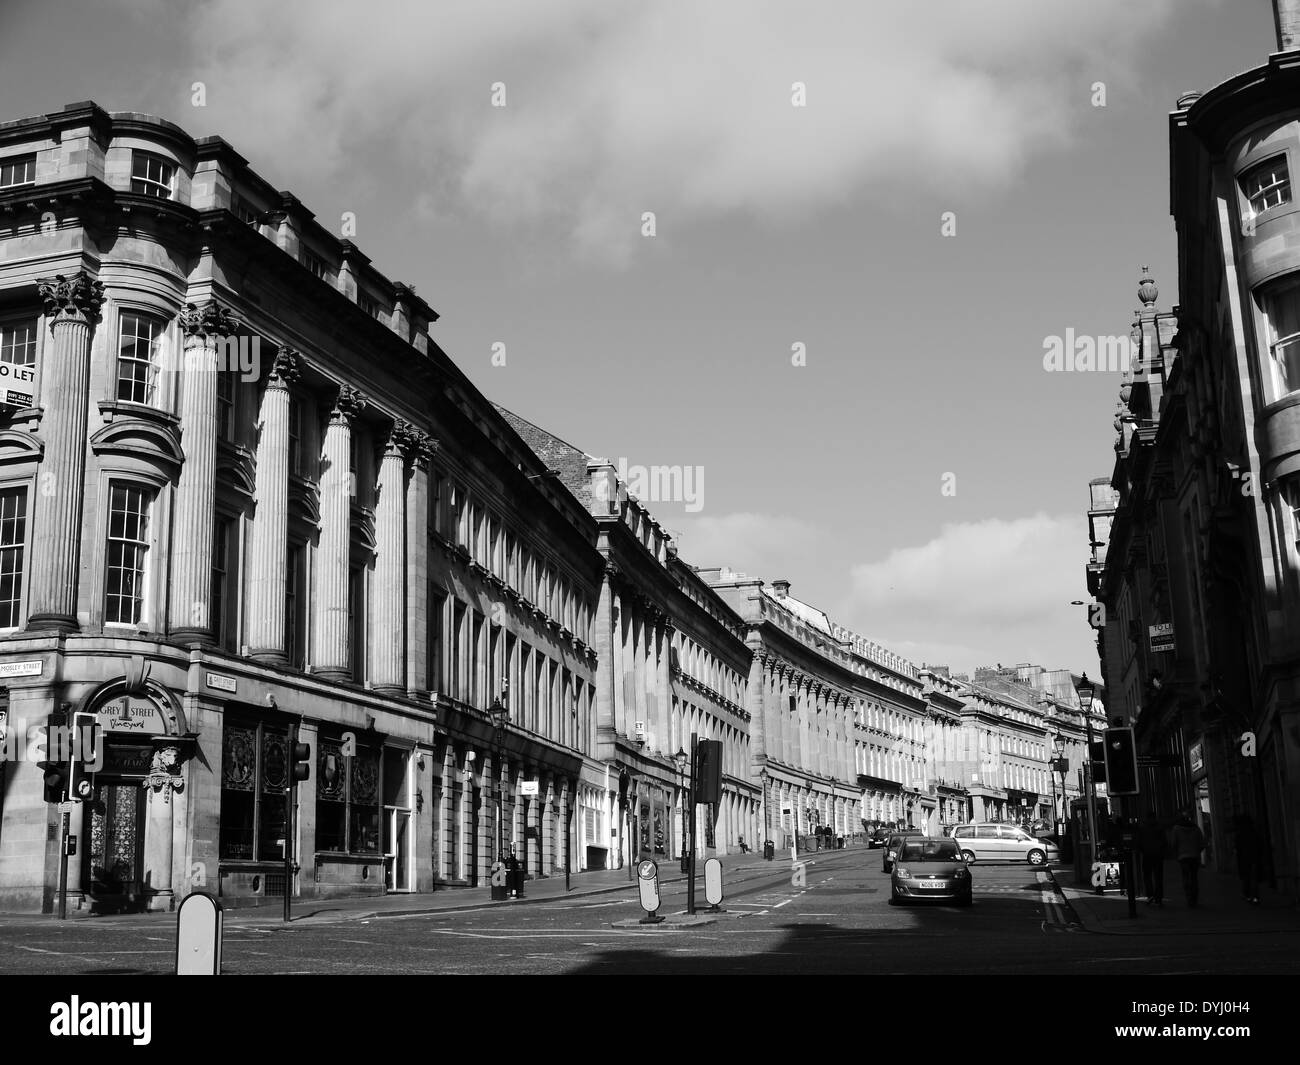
[(893, 900), (968, 857), (1036, 857), (965, 900)]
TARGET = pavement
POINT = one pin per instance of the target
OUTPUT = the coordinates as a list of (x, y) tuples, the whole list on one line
[(735, 868), (1221, 910)]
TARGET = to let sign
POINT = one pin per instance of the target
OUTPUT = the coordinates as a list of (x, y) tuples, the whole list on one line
[(528, 787), (1162, 636)]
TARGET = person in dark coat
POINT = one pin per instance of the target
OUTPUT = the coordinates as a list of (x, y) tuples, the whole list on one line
[(1154, 847), (1247, 840), (1189, 841)]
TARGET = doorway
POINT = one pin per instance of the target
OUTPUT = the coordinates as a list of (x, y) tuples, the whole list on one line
[(397, 834), (116, 852)]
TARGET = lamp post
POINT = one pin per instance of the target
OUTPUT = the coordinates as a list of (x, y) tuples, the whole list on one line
[(681, 758), (500, 714), (1086, 690)]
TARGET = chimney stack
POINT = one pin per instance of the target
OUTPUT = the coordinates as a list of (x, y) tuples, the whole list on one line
[(781, 588), (1286, 20)]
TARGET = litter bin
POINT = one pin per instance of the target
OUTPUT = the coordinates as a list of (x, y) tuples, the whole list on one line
[(500, 881), (769, 849), (839, 843), (514, 878)]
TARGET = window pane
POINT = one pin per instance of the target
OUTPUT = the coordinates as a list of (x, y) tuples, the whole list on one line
[(138, 341), (238, 771), (126, 554), (13, 540), (364, 802), (331, 796)]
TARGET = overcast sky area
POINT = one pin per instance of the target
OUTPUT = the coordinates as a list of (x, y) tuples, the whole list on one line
[(775, 225)]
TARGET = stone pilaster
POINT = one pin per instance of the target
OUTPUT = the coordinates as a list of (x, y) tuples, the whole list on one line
[(190, 609), (269, 538), (71, 309), (330, 602), (388, 618), (423, 447)]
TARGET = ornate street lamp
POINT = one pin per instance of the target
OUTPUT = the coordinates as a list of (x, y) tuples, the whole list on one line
[(1086, 691), (500, 714), (681, 758)]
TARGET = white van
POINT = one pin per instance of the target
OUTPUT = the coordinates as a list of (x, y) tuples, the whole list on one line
[(987, 842)]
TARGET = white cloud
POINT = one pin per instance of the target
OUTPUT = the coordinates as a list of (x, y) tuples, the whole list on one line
[(760, 545), (981, 593), (618, 107)]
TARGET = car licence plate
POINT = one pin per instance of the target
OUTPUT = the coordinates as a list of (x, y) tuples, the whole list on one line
[(935, 885)]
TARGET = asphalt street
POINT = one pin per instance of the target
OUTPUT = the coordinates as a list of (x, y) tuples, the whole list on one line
[(838, 921)]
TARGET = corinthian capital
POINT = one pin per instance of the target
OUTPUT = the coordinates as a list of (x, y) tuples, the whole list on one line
[(71, 298), (349, 404), (285, 368), (208, 319)]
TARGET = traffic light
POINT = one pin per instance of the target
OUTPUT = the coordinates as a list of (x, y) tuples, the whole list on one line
[(1097, 753), (301, 769), (1121, 762), (56, 779), (708, 771)]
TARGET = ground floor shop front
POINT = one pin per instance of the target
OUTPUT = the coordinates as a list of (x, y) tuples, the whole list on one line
[(189, 787)]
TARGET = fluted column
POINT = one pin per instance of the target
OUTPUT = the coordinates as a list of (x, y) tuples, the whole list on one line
[(330, 602), (194, 515), (388, 617), (72, 309), (757, 704), (423, 447), (663, 682), (270, 532)]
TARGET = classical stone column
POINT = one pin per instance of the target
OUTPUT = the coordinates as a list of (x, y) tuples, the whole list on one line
[(189, 616), (72, 309), (423, 447), (330, 602), (270, 532), (388, 617), (663, 682), (757, 702)]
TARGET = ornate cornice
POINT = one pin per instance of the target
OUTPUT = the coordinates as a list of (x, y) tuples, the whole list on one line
[(208, 319), (71, 299)]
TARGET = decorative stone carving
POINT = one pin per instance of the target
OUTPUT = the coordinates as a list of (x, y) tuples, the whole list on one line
[(164, 770), (349, 403), (209, 319), (77, 297), (286, 368)]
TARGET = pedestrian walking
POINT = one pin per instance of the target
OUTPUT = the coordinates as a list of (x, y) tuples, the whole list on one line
[(1247, 841), (1188, 842), (1154, 847)]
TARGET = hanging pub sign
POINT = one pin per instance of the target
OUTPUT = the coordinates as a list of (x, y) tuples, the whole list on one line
[(17, 384), (1162, 636), (137, 714)]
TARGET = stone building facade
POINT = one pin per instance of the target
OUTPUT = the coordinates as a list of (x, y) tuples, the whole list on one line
[(249, 502)]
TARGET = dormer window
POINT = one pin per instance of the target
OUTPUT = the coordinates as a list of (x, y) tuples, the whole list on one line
[(152, 175), (1266, 185), (367, 304)]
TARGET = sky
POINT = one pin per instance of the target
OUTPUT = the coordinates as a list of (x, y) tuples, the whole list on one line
[(809, 253)]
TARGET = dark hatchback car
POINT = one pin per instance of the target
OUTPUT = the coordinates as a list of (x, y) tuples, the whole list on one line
[(877, 838), (892, 844), (930, 869)]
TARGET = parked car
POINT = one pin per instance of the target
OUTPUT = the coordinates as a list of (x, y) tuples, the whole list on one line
[(933, 869), (987, 842), (892, 844)]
